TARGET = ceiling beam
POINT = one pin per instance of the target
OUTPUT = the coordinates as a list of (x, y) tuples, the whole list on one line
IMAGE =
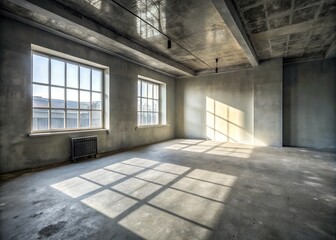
[(105, 38), (231, 18), (295, 28), (331, 52)]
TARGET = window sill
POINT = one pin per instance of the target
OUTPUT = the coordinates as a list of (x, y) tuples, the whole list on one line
[(41, 134), (152, 126)]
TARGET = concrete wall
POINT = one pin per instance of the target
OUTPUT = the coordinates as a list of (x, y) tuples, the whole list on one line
[(310, 104), (17, 149), (243, 106)]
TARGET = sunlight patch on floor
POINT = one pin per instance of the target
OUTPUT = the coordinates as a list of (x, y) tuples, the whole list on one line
[(139, 193)]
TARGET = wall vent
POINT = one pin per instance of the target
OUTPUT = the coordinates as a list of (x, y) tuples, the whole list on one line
[(83, 147)]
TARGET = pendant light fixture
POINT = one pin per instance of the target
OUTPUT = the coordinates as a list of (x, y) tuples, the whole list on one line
[(216, 65), (169, 44)]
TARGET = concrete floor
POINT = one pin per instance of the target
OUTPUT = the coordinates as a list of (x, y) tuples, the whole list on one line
[(179, 189)]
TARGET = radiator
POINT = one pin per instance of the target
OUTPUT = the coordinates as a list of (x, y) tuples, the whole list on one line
[(83, 147)]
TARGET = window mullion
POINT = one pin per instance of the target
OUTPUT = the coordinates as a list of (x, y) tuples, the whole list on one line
[(78, 107), (49, 89), (90, 116), (65, 96)]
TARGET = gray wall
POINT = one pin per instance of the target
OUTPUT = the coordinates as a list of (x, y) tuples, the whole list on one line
[(243, 106), (17, 149), (310, 104)]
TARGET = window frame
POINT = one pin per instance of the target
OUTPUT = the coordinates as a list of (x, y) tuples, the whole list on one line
[(65, 87), (159, 99)]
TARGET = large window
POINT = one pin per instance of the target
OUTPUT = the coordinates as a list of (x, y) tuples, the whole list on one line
[(148, 102), (67, 95)]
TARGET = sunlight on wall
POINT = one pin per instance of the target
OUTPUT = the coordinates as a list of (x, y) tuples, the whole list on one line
[(138, 193), (257, 142), (225, 123)]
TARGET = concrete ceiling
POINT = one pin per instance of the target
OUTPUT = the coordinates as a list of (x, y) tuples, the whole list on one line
[(294, 29), (238, 33)]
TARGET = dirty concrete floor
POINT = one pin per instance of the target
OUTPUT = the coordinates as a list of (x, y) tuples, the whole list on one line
[(179, 189)]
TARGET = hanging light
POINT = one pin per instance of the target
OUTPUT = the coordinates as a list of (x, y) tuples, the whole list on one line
[(216, 65), (169, 44)]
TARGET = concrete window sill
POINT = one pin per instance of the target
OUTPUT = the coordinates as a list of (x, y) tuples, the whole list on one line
[(152, 126), (41, 134)]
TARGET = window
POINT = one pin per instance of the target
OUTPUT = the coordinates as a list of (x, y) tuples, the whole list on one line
[(67, 95), (148, 102)]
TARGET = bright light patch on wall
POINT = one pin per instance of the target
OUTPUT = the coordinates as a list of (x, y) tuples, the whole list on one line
[(225, 123)]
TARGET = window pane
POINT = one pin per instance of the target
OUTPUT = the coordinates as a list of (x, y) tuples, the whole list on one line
[(40, 69), (139, 104), (144, 118), (96, 118), (84, 119), (72, 75), (150, 104), (40, 96), (139, 118), (155, 118), (156, 92), (72, 119), (150, 90), (144, 104), (156, 106), (84, 100), (139, 88), (84, 78), (144, 89), (72, 98), (57, 119), (40, 119), (57, 72), (149, 118), (57, 97), (96, 80), (96, 101)]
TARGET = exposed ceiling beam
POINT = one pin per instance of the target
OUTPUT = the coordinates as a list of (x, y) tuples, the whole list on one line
[(105, 38), (231, 18), (66, 36), (331, 52), (295, 28)]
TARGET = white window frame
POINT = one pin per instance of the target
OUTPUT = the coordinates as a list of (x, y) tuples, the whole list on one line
[(161, 101), (50, 54)]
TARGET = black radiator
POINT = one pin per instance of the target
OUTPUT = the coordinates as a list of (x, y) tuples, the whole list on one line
[(83, 147)]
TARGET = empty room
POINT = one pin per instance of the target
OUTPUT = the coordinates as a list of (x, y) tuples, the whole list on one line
[(166, 119)]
